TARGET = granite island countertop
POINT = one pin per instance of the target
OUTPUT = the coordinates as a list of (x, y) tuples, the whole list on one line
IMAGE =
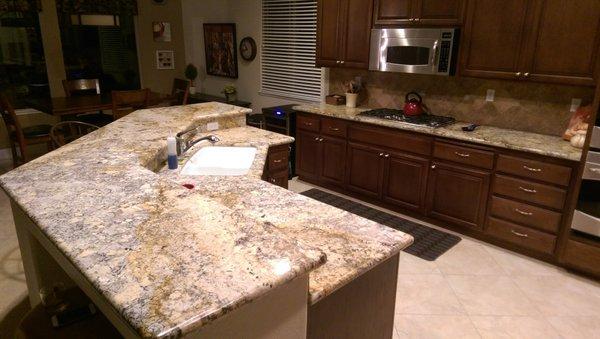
[(169, 259), (548, 145)]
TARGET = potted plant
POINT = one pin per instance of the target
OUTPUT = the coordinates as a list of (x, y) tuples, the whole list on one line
[(229, 92), (352, 90), (191, 73)]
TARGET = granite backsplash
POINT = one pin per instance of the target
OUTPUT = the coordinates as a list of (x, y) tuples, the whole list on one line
[(524, 106)]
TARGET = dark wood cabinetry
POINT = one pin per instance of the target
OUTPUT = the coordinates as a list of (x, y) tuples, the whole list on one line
[(458, 194), (277, 166), (418, 12), (539, 40), (511, 198), (343, 33)]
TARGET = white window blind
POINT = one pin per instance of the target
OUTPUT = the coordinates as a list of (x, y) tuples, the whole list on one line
[(289, 37)]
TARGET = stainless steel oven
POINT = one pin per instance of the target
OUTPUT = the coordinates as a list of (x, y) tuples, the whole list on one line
[(414, 50), (586, 217)]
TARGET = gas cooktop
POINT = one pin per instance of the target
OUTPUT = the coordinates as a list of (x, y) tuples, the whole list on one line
[(398, 115)]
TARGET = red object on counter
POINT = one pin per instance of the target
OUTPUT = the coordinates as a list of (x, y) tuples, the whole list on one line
[(413, 105)]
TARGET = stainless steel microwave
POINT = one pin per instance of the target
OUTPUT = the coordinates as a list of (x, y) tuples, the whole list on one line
[(414, 50)]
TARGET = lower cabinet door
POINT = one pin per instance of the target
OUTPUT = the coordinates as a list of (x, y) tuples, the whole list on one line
[(333, 160), (279, 178), (458, 194), (365, 169), (405, 181), (308, 149)]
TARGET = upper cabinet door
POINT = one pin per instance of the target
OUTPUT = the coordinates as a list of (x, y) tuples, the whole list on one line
[(439, 12), (357, 33), (564, 43), (393, 12), (329, 32), (493, 38)]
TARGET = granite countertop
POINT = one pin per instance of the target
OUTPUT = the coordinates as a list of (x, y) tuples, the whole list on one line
[(549, 145), (169, 259)]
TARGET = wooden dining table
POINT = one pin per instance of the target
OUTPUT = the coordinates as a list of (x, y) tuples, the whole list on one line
[(69, 106)]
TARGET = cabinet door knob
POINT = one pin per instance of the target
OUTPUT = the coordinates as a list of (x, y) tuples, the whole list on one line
[(316, 138), (321, 139), (341, 62), (411, 19), (417, 19), (273, 180), (526, 74), (433, 166), (380, 154), (386, 155)]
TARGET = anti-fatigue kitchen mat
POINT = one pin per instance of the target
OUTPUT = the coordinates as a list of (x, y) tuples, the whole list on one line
[(429, 243)]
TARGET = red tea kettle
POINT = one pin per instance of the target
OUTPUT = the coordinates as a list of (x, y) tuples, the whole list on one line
[(413, 104)]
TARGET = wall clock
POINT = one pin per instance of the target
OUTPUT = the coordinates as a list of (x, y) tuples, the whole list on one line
[(248, 49)]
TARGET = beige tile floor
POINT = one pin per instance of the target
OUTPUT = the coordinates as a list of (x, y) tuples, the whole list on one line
[(475, 290)]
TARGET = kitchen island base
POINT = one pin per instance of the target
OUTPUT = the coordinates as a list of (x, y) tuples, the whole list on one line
[(278, 314), (364, 308)]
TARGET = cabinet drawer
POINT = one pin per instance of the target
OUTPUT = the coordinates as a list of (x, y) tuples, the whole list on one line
[(279, 178), (464, 155), (278, 160), (333, 127), (582, 256), (537, 170), (399, 140), (520, 235), (529, 191), (525, 214), (308, 123)]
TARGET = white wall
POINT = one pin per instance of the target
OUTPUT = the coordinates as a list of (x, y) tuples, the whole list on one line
[(246, 14)]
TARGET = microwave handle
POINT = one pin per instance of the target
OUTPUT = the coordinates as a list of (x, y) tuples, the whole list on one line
[(434, 54)]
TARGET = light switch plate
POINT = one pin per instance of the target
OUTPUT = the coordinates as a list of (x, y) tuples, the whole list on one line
[(489, 95), (575, 103), (212, 126)]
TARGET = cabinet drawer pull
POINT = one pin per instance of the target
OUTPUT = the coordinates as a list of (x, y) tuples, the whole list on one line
[(595, 169), (522, 235), (523, 212), (277, 161), (335, 129), (464, 155), (531, 169), (307, 123), (528, 190)]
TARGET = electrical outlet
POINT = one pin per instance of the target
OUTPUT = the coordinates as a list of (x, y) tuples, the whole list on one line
[(575, 103), (212, 126), (489, 95), (358, 80)]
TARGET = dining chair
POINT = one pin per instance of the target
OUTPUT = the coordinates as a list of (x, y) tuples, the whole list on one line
[(180, 92), (82, 87), (64, 132), (22, 136), (125, 102)]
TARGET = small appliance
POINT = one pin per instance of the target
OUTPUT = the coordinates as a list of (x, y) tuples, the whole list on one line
[(413, 104)]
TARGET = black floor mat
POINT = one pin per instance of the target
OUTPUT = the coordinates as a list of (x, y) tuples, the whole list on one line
[(429, 243)]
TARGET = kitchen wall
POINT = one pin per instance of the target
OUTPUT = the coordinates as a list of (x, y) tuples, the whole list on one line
[(159, 80), (246, 15), (532, 107)]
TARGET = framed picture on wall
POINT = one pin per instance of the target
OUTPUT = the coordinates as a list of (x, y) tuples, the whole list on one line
[(165, 59), (221, 50), (161, 31)]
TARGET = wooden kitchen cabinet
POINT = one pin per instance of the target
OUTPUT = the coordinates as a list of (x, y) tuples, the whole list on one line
[(343, 33), (458, 194), (320, 157), (307, 154), (365, 169), (565, 42), (493, 38), (418, 12), (405, 181), (538, 40)]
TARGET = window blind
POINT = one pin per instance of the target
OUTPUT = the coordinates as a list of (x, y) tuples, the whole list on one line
[(289, 37)]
